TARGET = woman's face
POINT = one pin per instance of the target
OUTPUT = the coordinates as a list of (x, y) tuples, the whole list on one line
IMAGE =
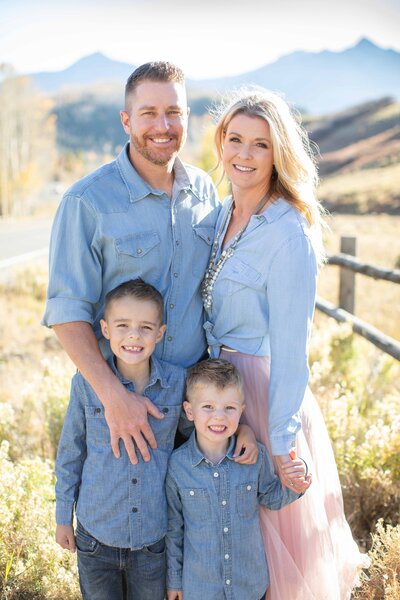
[(247, 154)]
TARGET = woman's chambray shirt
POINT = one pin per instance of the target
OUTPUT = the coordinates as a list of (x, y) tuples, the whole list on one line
[(214, 544), (263, 305), (120, 504), (112, 226)]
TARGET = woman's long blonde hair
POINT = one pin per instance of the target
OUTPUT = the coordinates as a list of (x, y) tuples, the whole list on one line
[(295, 176)]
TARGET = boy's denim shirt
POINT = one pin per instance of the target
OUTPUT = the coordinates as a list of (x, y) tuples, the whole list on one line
[(214, 544), (112, 226), (120, 504)]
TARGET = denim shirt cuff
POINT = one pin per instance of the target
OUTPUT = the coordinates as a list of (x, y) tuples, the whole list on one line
[(174, 580), (282, 444), (64, 513), (66, 310)]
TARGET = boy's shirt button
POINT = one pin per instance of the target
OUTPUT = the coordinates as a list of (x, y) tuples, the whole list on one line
[(165, 410), (134, 480), (228, 582), (191, 493), (226, 556), (248, 487), (216, 474), (97, 410), (223, 502), (226, 529), (134, 509)]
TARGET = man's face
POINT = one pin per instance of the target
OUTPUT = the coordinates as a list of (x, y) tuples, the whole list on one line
[(156, 120)]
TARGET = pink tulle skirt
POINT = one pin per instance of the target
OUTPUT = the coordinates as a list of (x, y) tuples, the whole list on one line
[(309, 546)]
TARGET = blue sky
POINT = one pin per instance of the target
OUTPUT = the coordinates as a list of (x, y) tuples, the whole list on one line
[(205, 37)]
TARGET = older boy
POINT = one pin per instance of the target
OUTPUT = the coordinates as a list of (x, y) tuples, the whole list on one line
[(214, 543), (120, 507)]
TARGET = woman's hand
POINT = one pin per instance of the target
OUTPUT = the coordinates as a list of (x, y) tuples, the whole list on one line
[(173, 595), (293, 472), (246, 450)]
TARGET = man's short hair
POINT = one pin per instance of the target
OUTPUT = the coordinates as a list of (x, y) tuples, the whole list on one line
[(153, 71), (136, 288), (214, 371)]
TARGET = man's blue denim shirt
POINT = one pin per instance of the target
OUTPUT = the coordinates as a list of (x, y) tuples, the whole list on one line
[(214, 544), (112, 226), (120, 504)]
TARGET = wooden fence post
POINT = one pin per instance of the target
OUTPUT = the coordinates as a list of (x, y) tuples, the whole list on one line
[(347, 277)]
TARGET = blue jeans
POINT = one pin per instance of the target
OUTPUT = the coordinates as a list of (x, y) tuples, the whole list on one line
[(108, 573)]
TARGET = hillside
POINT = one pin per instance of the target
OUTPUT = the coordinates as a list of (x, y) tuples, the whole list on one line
[(359, 160)]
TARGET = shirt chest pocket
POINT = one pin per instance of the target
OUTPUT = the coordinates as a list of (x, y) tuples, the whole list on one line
[(203, 238), (246, 499), (238, 275), (138, 252), (97, 431), (164, 429), (196, 504)]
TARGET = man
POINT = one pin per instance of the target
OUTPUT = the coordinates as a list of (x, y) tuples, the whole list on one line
[(143, 215)]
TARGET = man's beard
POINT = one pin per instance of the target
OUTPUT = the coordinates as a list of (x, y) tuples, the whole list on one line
[(156, 157)]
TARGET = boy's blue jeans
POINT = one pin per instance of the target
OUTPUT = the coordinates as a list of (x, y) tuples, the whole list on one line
[(108, 573)]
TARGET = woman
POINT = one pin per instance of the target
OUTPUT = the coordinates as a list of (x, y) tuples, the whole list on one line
[(259, 295)]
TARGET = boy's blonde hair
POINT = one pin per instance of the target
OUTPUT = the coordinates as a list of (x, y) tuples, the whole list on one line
[(214, 371)]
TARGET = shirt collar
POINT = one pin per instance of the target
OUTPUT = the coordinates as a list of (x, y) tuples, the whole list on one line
[(156, 372), (274, 211), (138, 188), (197, 456)]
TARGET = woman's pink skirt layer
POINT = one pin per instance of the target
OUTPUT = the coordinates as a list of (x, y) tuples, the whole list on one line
[(309, 546)]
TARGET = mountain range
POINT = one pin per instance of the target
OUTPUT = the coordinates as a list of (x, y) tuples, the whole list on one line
[(315, 82)]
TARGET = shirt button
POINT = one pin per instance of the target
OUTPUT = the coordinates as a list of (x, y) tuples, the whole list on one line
[(139, 251), (216, 474), (248, 487), (169, 338), (165, 410), (134, 480), (177, 242), (226, 556), (172, 305), (175, 274), (97, 410), (191, 493), (223, 502), (228, 582), (226, 529), (134, 509)]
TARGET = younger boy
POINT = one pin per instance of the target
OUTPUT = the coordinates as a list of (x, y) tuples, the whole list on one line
[(214, 544), (120, 507)]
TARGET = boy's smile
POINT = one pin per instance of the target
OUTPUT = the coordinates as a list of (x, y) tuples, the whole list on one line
[(133, 327), (216, 414)]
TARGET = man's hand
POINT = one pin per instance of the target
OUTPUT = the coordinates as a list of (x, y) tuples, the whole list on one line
[(174, 595), (65, 537), (126, 415), (246, 450)]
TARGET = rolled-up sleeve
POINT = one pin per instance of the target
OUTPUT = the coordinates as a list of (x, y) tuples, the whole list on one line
[(291, 291), (75, 269)]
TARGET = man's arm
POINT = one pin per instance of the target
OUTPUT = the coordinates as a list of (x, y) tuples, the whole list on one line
[(125, 412)]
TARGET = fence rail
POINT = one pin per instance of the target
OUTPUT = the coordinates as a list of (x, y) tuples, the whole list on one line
[(344, 313)]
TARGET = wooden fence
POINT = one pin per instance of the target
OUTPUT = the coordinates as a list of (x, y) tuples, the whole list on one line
[(349, 266)]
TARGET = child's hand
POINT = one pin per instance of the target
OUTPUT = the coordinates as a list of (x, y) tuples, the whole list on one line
[(173, 595), (65, 537)]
